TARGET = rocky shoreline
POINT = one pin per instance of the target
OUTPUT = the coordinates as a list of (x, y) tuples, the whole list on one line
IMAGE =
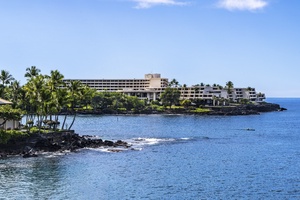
[(249, 109), (32, 145)]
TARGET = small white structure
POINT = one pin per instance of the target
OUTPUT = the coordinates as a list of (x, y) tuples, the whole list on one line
[(10, 124)]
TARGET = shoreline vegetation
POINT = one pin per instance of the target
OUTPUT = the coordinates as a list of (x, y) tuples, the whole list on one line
[(33, 142), (238, 109), (44, 97)]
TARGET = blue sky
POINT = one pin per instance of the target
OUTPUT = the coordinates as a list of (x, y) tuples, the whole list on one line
[(249, 42)]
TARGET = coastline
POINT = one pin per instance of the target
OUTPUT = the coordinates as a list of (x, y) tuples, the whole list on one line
[(62, 141), (249, 109)]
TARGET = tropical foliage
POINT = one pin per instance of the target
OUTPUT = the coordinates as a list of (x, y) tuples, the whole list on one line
[(46, 96), (8, 113), (170, 96)]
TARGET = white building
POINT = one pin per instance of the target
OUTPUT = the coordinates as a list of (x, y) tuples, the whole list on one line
[(151, 87), (9, 124)]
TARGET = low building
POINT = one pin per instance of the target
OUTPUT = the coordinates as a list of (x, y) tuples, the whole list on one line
[(151, 87), (9, 124)]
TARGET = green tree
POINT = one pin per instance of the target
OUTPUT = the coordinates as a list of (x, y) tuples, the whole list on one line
[(75, 97), (58, 97), (186, 103), (170, 96), (229, 86), (32, 72), (87, 95), (174, 83), (15, 93), (134, 103), (6, 77), (8, 113), (38, 98)]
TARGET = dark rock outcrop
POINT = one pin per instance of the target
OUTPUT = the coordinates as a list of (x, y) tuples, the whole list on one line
[(27, 146), (249, 109)]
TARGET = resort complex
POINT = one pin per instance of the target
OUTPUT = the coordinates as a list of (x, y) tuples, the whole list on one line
[(153, 85)]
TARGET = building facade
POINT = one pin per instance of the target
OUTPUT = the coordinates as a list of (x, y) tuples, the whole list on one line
[(152, 86), (9, 124)]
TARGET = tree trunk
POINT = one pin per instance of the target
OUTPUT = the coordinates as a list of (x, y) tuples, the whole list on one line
[(72, 121), (62, 127)]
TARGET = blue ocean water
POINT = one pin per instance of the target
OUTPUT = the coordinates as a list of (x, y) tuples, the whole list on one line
[(173, 157)]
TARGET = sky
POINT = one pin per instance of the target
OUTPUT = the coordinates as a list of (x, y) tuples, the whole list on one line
[(249, 42)]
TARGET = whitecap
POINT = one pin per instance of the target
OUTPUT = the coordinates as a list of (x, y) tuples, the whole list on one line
[(108, 149), (148, 141), (184, 138)]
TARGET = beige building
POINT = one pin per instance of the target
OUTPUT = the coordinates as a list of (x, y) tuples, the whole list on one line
[(151, 87), (148, 88)]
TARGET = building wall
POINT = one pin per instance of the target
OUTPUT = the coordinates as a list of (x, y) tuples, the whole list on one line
[(153, 85), (12, 124)]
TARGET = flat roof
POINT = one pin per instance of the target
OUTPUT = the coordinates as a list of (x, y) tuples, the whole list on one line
[(3, 102)]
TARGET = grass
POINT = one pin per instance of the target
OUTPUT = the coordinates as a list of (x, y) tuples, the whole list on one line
[(200, 110)]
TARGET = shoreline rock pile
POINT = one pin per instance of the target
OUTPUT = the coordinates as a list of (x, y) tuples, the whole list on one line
[(29, 146), (249, 109)]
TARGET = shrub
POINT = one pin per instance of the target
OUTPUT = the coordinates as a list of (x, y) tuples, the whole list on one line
[(5, 136)]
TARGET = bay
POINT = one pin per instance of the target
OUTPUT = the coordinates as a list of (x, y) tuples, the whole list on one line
[(173, 157)]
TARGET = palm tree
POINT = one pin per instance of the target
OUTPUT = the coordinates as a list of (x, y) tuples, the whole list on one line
[(75, 95), (38, 98), (15, 93), (57, 101), (174, 83), (87, 94), (229, 86), (6, 77), (56, 79), (32, 72)]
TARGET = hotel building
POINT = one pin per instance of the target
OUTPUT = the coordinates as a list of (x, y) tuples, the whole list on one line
[(151, 87)]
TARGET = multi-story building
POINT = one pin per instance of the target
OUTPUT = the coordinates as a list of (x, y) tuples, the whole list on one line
[(151, 87)]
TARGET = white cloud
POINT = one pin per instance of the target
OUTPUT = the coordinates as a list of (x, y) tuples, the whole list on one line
[(151, 3), (242, 4)]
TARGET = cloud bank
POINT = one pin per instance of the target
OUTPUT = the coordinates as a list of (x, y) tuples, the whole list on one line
[(242, 4), (142, 4)]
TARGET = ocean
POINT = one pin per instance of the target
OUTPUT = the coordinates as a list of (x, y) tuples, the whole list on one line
[(172, 157)]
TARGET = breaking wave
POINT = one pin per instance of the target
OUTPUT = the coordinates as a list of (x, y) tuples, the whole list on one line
[(138, 144)]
